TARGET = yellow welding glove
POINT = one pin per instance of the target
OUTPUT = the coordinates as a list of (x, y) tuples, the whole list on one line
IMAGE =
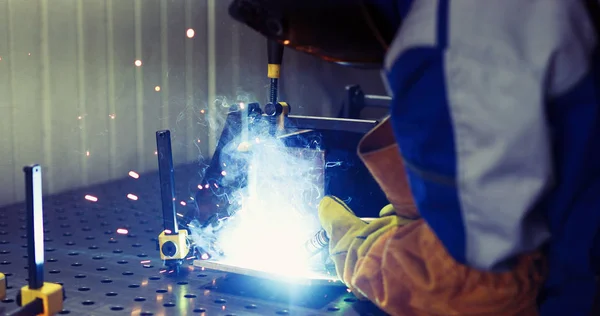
[(401, 266), (350, 237)]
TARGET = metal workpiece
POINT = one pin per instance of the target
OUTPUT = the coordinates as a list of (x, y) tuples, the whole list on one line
[(100, 244), (330, 124)]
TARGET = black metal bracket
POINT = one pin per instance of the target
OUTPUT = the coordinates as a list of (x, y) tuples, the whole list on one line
[(167, 181), (356, 101)]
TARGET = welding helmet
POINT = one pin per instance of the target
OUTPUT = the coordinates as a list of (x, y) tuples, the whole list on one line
[(351, 32)]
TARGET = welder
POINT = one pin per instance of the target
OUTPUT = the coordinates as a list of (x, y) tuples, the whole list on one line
[(490, 157)]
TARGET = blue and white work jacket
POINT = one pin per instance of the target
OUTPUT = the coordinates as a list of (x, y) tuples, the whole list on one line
[(496, 110)]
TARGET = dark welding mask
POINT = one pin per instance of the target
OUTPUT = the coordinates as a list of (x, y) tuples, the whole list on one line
[(352, 32)]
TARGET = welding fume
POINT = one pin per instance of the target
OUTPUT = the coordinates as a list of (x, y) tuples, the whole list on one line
[(487, 160), (257, 205)]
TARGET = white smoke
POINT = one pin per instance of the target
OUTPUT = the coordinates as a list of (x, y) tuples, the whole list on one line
[(275, 213)]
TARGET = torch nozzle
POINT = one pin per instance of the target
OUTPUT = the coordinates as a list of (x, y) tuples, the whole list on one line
[(319, 241)]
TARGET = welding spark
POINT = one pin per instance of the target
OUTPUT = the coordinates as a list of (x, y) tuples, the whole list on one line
[(179, 214), (206, 186), (137, 63), (183, 203), (162, 271), (157, 88), (242, 105), (190, 33), (145, 261), (167, 231), (155, 152), (204, 256), (112, 116), (134, 174), (200, 187), (122, 231), (91, 198), (243, 147), (202, 111), (331, 164), (223, 173), (87, 153), (190, 258), (132, 197)]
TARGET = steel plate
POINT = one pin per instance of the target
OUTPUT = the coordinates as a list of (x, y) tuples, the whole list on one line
[(315, 278)]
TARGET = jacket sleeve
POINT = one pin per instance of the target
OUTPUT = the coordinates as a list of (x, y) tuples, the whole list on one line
[(407, 271), (400, 265)]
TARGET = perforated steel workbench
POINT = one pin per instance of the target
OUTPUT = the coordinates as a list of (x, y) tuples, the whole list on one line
[(107, 273)]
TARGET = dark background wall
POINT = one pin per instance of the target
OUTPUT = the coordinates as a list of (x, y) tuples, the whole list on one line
[(73, 99)]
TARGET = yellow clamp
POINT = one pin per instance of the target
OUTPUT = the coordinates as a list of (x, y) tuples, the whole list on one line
[(174, 246), (2, 286), (285, 110), (273, 71), (50, 293)]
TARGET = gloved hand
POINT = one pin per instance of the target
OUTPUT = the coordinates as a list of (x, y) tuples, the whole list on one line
[(401, 266), (350, 237)]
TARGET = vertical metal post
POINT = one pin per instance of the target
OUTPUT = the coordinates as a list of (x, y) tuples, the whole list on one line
[(139, 84), (244, 113), (167, 181), (211, 47), (111, 53), (82, 91), (47, 98), (35, 225)]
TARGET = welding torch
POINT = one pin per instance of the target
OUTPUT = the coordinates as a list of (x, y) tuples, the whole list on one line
[(320, 240), (275, 57), (276, 110)]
